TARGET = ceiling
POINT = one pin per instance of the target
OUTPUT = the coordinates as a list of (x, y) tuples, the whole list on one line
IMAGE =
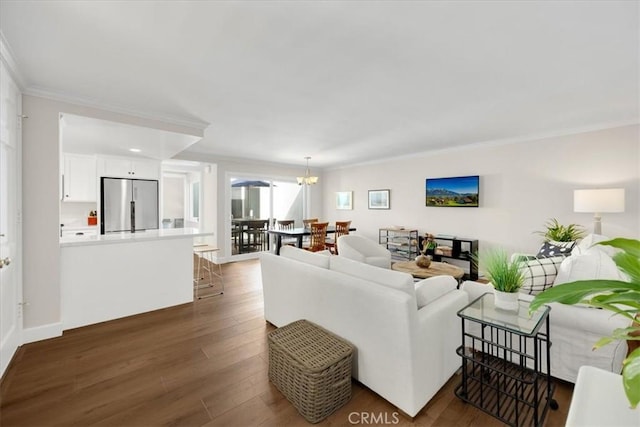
[(87, 135), (340, 81)]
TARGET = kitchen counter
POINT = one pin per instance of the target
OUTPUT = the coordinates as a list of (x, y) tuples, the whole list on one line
[(126, 237), (107, 277)]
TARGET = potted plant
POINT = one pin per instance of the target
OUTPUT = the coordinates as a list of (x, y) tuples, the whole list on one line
[(622, 298), (506, 277), (426, 253), (561, 233)]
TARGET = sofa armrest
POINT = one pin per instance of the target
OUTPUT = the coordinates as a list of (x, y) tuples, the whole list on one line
[(475, 289), (430, 289), (586, 319)]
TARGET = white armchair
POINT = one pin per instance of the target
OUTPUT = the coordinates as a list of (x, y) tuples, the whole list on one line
[(364, 250)]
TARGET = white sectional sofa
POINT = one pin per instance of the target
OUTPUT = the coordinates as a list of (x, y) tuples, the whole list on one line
[(403, 352), (574, 328)]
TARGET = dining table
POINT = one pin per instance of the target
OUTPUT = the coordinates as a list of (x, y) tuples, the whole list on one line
[(298, 234), (241, 227)]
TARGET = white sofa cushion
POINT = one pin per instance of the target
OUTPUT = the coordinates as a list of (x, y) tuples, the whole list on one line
[(390, 278), (319, 259), (589, 265), (429, 290)]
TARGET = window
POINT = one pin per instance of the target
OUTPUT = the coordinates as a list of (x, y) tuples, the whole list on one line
[(195, 201)]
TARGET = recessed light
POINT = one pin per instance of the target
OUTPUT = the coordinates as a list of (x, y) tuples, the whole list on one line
[(135, 150)]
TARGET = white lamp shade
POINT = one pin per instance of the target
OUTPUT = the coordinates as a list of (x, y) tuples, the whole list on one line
[(599, 200)]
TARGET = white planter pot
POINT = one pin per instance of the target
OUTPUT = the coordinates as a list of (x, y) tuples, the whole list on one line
[(506, 300)]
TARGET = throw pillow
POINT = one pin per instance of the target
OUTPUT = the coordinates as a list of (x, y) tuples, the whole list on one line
[(429, 290), (592, 264), (551, 249), (539, 274), (588, 244)]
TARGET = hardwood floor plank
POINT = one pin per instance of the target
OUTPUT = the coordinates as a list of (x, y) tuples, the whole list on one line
[(198, 364), (250, 413)]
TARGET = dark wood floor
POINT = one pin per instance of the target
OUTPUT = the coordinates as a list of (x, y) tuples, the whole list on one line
[(193, 365)]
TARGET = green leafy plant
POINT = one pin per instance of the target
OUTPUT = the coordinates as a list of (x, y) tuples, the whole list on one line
[(428, 243), (505, 275), (622, 298), (561, 233)]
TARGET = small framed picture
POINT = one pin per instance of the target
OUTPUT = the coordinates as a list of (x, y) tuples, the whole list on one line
[(344, 200), (379, 199)]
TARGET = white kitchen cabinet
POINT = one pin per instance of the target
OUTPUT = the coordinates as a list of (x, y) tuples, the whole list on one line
[(79, 178), (80, 232), (129, 168)]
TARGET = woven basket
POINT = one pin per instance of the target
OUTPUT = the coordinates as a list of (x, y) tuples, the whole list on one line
[(311, 367)]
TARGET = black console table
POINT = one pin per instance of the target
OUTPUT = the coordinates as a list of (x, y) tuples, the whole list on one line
[(459, 248)]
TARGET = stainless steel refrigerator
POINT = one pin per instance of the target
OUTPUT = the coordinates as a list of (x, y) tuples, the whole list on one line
[(128, 205)]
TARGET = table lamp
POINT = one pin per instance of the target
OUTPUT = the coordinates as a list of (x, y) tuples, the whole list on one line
[(598, 201)]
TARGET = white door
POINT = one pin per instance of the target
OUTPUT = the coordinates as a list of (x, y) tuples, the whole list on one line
[(10, 230)]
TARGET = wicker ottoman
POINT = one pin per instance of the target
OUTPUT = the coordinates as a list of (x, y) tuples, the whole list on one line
[(311, 367)]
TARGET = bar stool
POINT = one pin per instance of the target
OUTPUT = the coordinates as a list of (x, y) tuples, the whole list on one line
[(205, 264)]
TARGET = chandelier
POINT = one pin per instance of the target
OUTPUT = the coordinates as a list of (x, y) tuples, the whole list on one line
[(307, 179)]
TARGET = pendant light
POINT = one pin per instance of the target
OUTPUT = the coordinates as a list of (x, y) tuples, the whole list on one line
[(307, 179)]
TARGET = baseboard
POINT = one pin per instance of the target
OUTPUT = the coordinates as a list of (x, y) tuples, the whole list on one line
[(40, 333)]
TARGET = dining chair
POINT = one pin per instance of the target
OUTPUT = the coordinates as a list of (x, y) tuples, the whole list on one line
[(307, 222), (256, 234), (342, 228), (287, 224), (318, 236), (235, 238)]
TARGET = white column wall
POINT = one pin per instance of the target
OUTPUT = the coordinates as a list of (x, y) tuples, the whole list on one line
[(41, 216)]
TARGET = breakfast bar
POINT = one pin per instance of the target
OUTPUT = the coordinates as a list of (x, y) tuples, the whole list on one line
[(110, 276)]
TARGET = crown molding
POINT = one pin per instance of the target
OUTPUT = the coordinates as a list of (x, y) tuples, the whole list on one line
[(209, 157), (7, 57), (57, 96)]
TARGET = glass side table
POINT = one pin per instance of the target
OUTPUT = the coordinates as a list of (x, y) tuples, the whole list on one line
[(505, 362)]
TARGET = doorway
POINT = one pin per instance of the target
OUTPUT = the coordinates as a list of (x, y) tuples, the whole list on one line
[(256, 204)]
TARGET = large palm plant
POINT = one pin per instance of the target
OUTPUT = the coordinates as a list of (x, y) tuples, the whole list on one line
[(622, 298)]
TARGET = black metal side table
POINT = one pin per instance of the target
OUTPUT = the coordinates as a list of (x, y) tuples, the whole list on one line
[(505, 362)]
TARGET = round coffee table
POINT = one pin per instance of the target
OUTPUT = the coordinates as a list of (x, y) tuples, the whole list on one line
[(435, 269)]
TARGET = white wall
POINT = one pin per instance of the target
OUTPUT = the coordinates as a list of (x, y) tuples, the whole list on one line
[(521, 186), (173, 196), (41, 219)]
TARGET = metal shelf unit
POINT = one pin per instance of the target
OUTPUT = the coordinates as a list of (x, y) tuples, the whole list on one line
[(402, 243)]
